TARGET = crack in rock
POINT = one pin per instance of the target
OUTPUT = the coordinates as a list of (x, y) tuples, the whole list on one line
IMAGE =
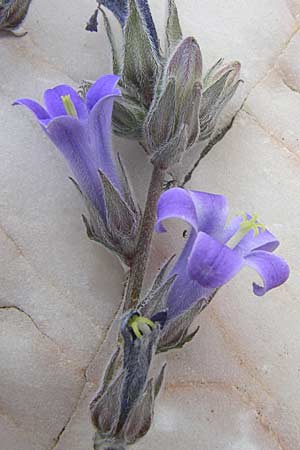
[(271, 135), (289, 86), (19, 309), (101, 344)]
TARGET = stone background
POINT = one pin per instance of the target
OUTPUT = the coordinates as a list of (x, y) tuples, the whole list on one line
[(237, 386)]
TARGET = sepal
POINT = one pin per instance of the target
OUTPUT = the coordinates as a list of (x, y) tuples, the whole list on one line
[(128, 117), (140, 64), (119, 232), (175, 333), (173, 28), (116, 58), (220, 84)]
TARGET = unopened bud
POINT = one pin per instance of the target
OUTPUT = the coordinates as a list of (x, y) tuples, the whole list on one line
[(172, 125), (220, 84)]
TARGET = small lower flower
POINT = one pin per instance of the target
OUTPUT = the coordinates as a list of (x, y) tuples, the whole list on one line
[(122, 411)]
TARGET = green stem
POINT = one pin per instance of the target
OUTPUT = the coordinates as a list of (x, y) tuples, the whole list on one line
[(138, 268)]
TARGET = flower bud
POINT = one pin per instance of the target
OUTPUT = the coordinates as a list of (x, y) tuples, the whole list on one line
[(123, 409), (12, 14), (163, 100), (219, 85), (172, 125)]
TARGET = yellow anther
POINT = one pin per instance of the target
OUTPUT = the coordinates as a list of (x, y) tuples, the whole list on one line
[(136, 324), (69, 105), (252, 224)]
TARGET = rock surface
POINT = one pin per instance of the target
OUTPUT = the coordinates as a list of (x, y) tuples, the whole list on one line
[(236, 386)]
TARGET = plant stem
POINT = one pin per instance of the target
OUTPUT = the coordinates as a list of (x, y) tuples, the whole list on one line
[(137, 272)]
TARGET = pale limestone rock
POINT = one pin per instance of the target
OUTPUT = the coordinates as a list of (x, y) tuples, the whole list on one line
[(294, 6), (40, 385), (289, 64), (277, 108), (236, 387)]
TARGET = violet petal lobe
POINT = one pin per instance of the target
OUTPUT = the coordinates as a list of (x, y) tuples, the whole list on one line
[(144, 7), (264, 240), (184, 291), (212, 211), (40, 112), (211, 263), (231, 229), (54, 104), (99, 127), (118, 7), (71, 137), (203, 211), (273, 270), (176, 203), (105, 85)]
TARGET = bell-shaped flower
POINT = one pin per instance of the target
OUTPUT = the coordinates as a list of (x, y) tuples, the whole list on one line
[(215, 252), (81, 130)]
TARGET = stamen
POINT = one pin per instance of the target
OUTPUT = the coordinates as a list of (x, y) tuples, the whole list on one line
[(245, 226), (136, 324), (252, 224), (69, 105)]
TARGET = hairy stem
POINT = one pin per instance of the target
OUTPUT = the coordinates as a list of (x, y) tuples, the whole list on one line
[(138, 268)]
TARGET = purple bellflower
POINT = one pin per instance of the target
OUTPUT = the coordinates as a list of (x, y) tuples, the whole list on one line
[(215, 252), (81, 130)]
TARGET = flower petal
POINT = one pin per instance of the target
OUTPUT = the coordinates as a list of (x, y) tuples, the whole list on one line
[(104, 86), (118, 7), (212, 211), (263, 241), (211, 263), (176, 203), (273, 270), (71, 137), (203, 211), (101, 154), (231, 229), (40, 112), (184, 291), (55, 106)]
